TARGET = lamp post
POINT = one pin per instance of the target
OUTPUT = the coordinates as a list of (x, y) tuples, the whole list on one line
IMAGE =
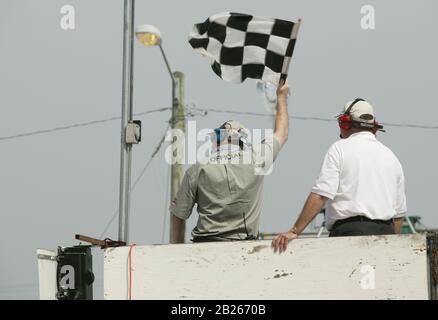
[(149, 35), (126, 148)]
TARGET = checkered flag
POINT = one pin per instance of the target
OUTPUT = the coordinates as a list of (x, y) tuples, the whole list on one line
[(241, 46)]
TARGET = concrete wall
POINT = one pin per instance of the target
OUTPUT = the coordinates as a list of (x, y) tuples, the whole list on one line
[(377, 267)]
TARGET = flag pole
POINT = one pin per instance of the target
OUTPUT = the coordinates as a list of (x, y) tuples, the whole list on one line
[(294, 35)]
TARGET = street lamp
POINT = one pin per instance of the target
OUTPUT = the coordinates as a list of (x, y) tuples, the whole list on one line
[(149, 35)]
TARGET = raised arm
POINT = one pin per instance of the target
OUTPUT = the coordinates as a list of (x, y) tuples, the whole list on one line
[(281, 128)]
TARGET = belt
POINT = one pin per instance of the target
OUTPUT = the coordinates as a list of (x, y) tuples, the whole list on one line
[(361, 219), (218, 238)]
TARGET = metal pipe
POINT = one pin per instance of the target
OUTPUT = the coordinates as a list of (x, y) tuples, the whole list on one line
[(411, 226), (125, 150), (168, 67)]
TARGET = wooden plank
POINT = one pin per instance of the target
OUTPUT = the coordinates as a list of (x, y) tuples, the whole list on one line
[(324, 268), (93, 241)]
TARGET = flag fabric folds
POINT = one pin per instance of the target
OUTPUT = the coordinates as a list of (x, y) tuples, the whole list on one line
[(241, 46)]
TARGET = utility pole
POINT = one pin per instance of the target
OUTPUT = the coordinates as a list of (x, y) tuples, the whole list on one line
[(126, 148), (178, 127)]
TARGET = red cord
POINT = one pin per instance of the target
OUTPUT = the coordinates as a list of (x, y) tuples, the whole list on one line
[(130, 271)]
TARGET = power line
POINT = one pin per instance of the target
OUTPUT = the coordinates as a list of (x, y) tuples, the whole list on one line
[(418, 126), (158, 147), (76, 125), (204, 113)]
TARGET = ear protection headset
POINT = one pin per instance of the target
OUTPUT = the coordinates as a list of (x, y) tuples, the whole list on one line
[(221, 135), (345, 121)]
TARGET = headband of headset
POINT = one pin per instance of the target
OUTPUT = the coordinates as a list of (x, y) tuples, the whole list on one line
[(347, 112)]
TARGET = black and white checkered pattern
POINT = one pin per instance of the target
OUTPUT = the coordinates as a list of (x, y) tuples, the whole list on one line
[(241, 46)]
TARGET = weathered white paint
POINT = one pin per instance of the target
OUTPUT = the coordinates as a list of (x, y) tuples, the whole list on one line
[(47, 274), (327, 268)]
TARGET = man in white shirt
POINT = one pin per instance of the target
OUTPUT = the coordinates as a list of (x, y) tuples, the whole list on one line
[(361, 182)]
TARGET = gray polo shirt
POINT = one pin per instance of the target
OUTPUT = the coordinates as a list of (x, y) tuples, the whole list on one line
[(227, 190)]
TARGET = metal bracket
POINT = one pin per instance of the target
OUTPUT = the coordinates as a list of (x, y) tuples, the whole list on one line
[(133, 132), (46, 257)]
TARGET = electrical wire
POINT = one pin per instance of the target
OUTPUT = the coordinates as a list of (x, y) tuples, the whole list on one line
[(190, 113), (76, 125), (389, 124), (131, 247), (205, 111)]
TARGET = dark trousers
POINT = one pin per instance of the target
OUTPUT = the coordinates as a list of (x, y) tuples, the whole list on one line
[(361, 226)]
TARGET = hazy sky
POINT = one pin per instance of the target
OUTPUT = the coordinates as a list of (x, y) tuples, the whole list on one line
[(55, 185)]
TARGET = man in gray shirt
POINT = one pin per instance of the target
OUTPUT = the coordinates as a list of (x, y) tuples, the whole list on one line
[(227, 189)]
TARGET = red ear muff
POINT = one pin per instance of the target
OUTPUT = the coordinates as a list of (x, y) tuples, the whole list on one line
[(344, 122)]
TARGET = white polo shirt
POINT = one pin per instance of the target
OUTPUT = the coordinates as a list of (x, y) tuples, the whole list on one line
[(361, 177)]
